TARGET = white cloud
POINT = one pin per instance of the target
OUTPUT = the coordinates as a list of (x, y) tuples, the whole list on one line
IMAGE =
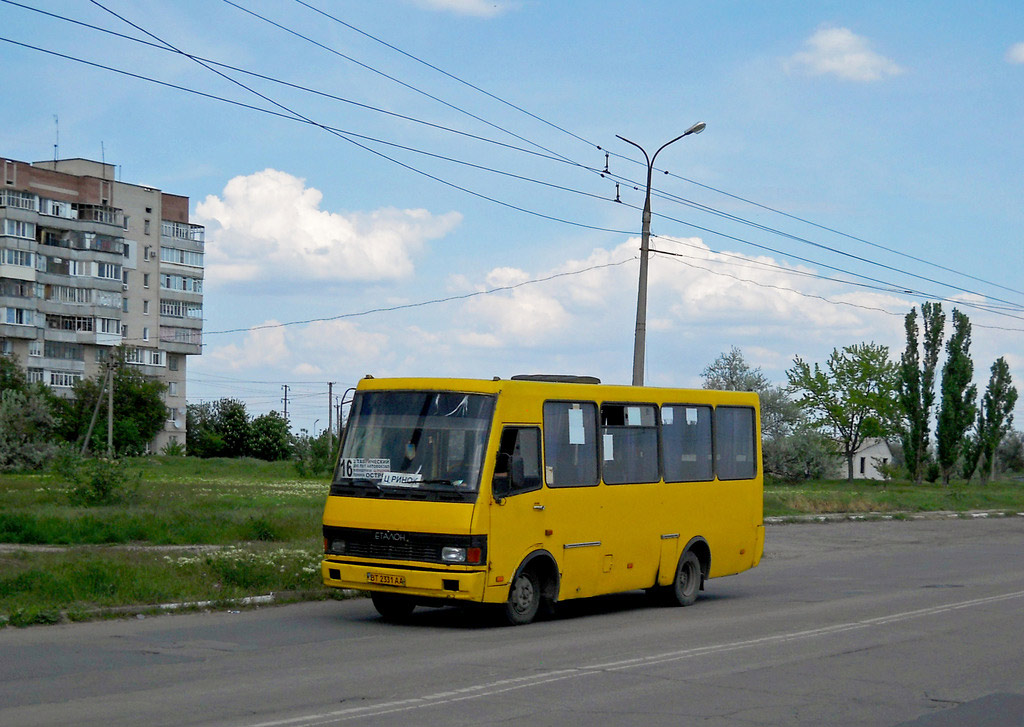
[(263, 345), (840, 52), (477, 8), (268, 226), (1015, 54)]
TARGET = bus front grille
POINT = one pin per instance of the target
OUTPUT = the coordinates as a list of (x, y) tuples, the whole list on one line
[(398, 545)]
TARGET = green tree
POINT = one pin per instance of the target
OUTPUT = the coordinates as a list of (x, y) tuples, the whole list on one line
[(12, 376), (852, 398), (139, 411), (270, 437), (26, 426), (731, 372), (995, 419), (1010, 453), (917, 385), (218, 429), (234, 427), (958, 406)]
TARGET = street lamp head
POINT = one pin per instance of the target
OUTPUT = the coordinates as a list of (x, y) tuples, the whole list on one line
[(696, 128)]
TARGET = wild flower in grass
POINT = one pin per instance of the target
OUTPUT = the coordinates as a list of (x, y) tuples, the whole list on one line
[(279, 569)]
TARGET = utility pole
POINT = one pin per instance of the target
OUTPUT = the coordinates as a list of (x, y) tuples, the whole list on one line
[(330, 416), (285, 387), (110, 409), (96, 410), (640, 339)]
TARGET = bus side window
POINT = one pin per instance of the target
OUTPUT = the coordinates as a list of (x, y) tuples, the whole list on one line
[(570, 443), (686, 443), (735, 449), (517, 466)]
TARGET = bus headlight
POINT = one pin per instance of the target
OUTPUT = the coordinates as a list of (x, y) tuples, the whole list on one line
[(453, 555), (470, 556)]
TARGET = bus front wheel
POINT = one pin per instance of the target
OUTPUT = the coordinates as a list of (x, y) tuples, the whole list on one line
[(687, 581), (523, 598), (392, 607)]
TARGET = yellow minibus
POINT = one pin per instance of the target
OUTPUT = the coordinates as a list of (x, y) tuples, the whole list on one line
[(528, 491)]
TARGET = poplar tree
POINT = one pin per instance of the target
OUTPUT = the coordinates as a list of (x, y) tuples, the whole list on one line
[(958, 407), (917, 385), (995, 418)]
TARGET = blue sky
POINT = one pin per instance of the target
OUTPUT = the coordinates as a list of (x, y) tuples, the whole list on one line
[(859, 158)]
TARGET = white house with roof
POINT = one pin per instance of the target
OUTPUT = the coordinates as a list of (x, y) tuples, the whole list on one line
[(873, 452)]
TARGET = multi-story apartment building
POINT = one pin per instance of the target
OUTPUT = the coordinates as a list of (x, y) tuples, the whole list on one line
[(88, 263)]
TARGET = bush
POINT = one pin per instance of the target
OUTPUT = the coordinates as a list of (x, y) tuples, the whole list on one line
[(99, 481), (314, 456), (173, 449), (801, 456)]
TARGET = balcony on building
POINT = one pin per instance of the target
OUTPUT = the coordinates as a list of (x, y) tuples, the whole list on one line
[(183, 235)]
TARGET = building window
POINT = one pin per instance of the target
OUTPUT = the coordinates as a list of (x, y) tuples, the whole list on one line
[(172, 388), (18, 316), (111, 271), (19, 228), (145, 334), (172, 362), (145, 227), (16, 257), (145, 280), (65, 351), (181, 257), (63, 379), (35, 348), (145, 307)]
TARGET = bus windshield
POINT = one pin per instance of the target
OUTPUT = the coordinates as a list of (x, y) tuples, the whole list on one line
[(414, 445)]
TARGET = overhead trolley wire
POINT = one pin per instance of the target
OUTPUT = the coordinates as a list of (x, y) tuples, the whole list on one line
[(292, 114), (346, 135), (388, 76), (685, 179)]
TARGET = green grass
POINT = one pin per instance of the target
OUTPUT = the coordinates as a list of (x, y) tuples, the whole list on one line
[(259, 524), (221, 530), (862, 496)]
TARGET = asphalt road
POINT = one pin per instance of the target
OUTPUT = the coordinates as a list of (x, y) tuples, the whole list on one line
[(862, 623)]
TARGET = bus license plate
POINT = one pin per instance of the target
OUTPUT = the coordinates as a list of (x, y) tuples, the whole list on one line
[(385, 579)]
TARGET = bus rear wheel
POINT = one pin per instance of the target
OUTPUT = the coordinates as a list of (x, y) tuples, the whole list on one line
[(523, 599), (392, 607), (686, 584)]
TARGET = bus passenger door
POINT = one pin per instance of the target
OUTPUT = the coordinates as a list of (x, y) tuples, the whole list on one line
[(518, 515)]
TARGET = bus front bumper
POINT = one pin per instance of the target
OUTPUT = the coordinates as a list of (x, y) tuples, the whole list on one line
[(427, 583)]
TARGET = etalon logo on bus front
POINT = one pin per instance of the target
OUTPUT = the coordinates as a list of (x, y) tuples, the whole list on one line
[(388, 535)]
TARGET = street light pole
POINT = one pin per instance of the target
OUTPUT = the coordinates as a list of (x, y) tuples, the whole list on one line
[(640, 340)]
